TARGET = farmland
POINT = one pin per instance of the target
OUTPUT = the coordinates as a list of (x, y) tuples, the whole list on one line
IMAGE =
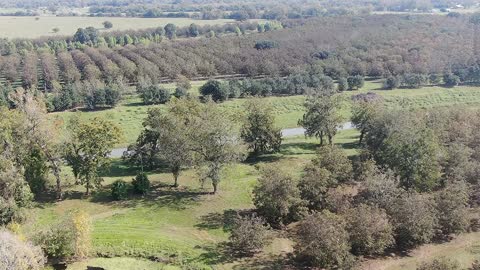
[(381, 173), (33, 27)]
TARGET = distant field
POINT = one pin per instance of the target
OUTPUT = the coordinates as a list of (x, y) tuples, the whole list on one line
[(29, 27)]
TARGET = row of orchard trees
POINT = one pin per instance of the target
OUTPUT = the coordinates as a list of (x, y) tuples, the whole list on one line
[(282, 54), (92, 37), (285, 52)]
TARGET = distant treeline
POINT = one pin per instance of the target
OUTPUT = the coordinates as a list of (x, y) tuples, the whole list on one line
[(407, 51)]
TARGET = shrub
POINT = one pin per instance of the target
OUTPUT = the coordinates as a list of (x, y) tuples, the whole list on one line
[(314, 186), (451, 204), (355, 82), (435, 79), (322, 240), (17, 254), (249, 234), (58, 241), (276, 196), (141, 184), (112, 96), (82, 228), (154, 94), (370, 230), (380, 189), (338, 200), (451, 80), (119, 190), (107, 24), (15, 195), (342, 84), (414, 80), (68, 239), (414, 219), (215, 89), (266, 44), (335, 162), (180, 92), (440, 264), (391, 83)]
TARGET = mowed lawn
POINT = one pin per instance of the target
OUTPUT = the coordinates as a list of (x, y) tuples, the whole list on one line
[(30, 27)]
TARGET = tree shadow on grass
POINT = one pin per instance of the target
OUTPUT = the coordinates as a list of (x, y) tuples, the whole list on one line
[(299, 148), (217, 254), (133, 104), (122, 168), (223, 253), (161, 195), (218, 220), (350, 145), (268, 158), (277, 262)]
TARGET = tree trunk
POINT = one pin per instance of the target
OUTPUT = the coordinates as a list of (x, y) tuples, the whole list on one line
[(176, 173), (330, 139), (362, 133), (56, 173), (215, 187), (87, 193)]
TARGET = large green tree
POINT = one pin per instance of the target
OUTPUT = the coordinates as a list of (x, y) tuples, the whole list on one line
[(322, 117), (90, 143), (216, 141), (172, 146), (259, 130)]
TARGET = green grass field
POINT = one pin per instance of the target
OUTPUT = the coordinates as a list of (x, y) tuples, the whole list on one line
[(29, 27), (176, 225), (190, 226), (288, 110)]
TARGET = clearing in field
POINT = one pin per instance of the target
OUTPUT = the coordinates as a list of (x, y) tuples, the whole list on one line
[(30, 27)]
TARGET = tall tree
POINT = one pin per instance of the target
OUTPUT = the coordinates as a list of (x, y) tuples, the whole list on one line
[(43, 134), (216, 140), (173, 145), (322, 118), (364, 109), (91, 142), (259, 130)]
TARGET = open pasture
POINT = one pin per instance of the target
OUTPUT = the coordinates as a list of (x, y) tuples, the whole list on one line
[(33, 27)]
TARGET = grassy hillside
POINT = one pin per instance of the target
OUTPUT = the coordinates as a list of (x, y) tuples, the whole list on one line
[(30, 27)]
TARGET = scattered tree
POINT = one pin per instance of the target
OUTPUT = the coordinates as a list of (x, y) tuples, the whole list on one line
[(258, 130), (90, 144), (323, 117)]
